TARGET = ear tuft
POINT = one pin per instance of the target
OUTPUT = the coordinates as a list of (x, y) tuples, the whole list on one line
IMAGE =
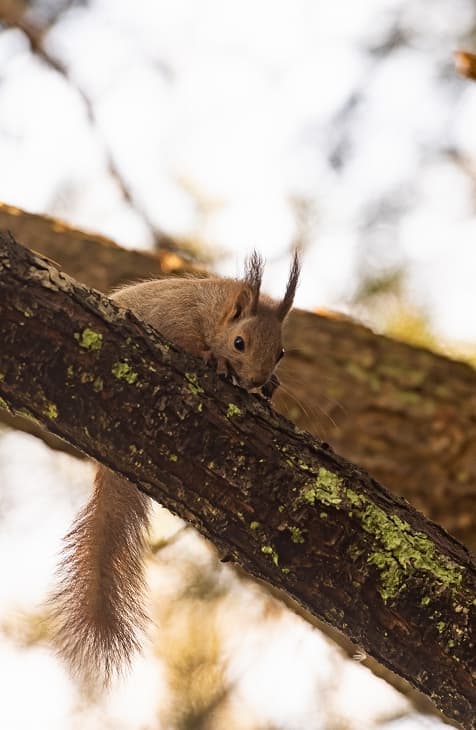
[(285, 305), (254, 266)]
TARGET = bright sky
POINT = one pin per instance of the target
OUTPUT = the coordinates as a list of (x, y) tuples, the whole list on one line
[(219, 115), (241, 104)]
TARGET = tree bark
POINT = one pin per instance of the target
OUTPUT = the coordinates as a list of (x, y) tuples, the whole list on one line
[(278, 503), (405, 414)]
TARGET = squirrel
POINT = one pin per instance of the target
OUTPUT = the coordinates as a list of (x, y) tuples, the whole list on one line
[(97, 608)]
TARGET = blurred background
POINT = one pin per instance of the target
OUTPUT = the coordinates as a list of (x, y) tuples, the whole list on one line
[(225, 126)]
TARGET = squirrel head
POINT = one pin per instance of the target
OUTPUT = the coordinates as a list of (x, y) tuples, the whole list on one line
[(249, 337)]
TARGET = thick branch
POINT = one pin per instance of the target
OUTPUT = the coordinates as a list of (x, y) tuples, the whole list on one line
[(403, 413), (278, 503)]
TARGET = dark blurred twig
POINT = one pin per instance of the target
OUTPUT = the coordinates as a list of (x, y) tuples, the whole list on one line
[(13, 14)]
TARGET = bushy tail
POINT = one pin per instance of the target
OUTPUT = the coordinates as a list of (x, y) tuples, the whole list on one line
[(98, 605)]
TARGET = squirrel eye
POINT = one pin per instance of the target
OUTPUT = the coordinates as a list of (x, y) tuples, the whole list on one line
[(239, 344), (281, 354)]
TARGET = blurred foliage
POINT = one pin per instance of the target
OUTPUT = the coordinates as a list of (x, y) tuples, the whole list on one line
[(382, 300), (26, 629)]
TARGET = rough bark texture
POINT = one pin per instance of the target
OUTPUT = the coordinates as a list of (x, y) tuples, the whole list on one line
[(280, 504), (405, 414)]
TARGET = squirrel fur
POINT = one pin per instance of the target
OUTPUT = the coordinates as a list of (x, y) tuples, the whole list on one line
[(98, 605)]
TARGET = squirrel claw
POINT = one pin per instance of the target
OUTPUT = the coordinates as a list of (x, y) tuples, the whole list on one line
[(220, 365), (208, 357), (268, 388)]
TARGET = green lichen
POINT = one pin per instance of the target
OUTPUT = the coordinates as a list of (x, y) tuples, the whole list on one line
[(193, 385), (403, 551), (123, 371), (326, 489), (390, 574), (89, 339), (268, 550), (440, 626), (173, 457), (233, 410), (396, 550), (355, 552), (296, 535), (86, 377), (70, 371), (425, 601), (50, 411), (2, 377), (254, 525)]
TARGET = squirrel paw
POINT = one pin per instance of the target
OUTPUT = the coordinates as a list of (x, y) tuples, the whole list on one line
[(208, 358), (220, 365), (268, 388)]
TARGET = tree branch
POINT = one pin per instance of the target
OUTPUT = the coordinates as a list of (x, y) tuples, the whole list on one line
[(281, 505), (405, 414)]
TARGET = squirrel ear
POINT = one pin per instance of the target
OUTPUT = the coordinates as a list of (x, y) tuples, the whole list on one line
[(285, 305), (241, 303)]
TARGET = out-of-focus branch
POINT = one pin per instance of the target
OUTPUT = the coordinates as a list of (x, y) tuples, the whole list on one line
[(94, 259), (466, 64)]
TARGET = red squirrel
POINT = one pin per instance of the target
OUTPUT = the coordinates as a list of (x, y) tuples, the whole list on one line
[(98, 606)]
